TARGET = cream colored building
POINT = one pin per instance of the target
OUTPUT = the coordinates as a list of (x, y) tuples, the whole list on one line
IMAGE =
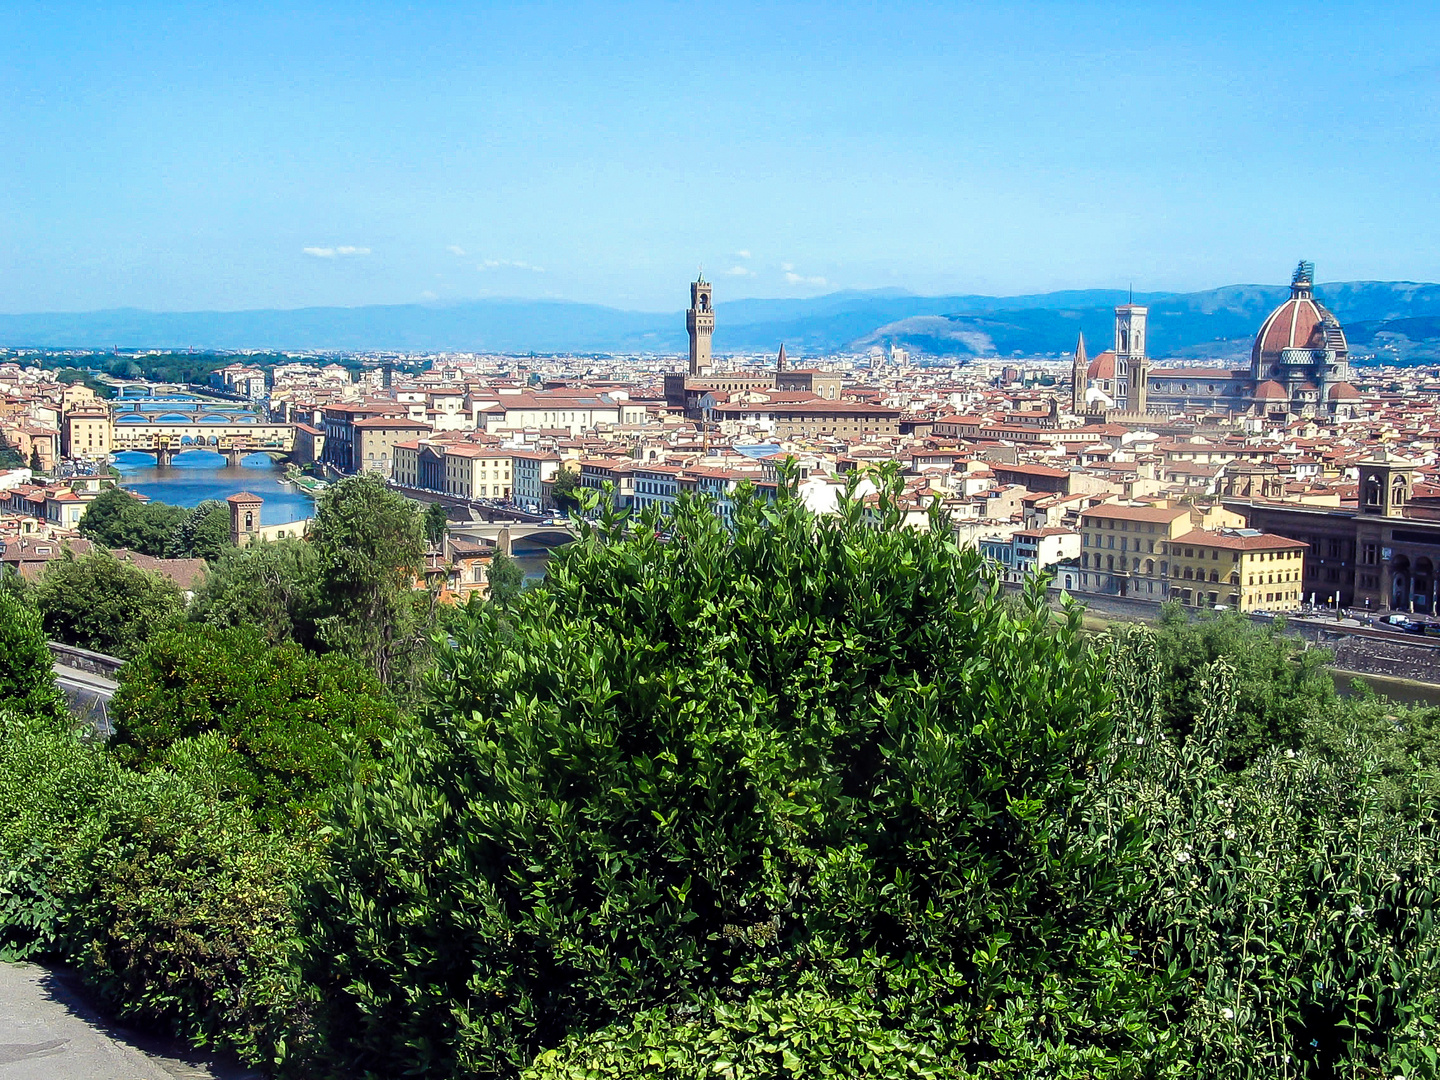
[(1239, 568), (477, 472), (86, 431)]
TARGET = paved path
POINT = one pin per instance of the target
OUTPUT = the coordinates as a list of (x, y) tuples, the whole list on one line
[(49, 1031)]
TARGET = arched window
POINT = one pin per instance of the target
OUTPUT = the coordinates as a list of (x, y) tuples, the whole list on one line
[(249, 520)]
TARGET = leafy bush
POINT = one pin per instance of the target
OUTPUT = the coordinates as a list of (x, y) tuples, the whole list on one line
[(273, 587), (157, 887), (178, 912), (1280, 685), (27, 670), (294, 720), (811, 753), (118, 519), (98, 602), (1301, 910), (50, 783)]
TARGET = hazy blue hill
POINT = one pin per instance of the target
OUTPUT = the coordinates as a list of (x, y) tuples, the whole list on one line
[(1402, 319)]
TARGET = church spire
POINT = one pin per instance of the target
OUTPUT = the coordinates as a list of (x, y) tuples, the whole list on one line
[(780, 360), (1079, 377)]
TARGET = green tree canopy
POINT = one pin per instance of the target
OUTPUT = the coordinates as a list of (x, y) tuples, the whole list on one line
[(565, 492), (1279, 684), (805, 753), (203, 533), (273, 586), (505, 578), (98, 602), (371, 544), (293, 718), (436, 523), (27, 672), (118, 519)]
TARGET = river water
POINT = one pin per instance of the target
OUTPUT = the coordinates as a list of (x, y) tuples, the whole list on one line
[(197, 475)]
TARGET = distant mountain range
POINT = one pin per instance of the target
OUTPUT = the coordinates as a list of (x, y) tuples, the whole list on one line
[(1399, 321)]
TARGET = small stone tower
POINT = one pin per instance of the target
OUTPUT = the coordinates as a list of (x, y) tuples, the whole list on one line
[(244, 517), (700, 322)]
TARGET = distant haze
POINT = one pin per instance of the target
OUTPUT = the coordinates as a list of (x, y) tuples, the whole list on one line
[(1402, 319)]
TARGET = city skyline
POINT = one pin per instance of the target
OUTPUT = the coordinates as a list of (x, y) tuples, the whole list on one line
[(229, 158)]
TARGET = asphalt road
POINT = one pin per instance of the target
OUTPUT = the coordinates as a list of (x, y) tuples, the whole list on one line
[(49, 1031)]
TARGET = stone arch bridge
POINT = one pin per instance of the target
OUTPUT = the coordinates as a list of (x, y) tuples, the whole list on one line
[(234, 440)]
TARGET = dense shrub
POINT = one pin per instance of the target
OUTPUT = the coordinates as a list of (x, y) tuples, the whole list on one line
[(1280, 685), (178, 911), (811, 753), (294, 720), (50, 783), (98, 602), (164, 893), (1302, 910), (27, 670), (118, 519), (273, 587)]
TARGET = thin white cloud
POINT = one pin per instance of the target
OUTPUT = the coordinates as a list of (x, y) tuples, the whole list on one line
[(801, 279), (456, 249), (742, 254), (510, 264), (740, 271), (787, 267), (342, 251), (428, 295)]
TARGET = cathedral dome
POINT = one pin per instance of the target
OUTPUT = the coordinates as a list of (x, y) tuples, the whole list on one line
[(1300, 323), (1103, 366)]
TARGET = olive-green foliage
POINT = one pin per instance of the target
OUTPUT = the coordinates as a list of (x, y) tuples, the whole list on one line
[(271, 586), (1280, 686), (436, 523), (505, 578), (371, 545), (294, 720), (178, 909), (49, 784), (565, 493), (1300, 907), (98, 602), (159, 888), (203, 533), (810, 754), (118, 519), (27, 670)]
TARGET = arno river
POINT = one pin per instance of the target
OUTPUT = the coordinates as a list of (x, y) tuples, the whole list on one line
[(198, 475)]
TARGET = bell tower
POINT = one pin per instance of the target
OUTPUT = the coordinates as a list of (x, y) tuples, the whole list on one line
[(1132, 366), (700, 322), (1079, 377)]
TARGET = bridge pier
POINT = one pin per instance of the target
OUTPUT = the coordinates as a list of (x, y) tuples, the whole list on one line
[(233, 456), (163, 456)]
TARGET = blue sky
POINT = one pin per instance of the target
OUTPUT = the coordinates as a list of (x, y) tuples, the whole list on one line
[(188, 156)]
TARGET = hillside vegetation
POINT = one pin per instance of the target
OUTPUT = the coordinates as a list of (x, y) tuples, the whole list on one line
[(808, 797)]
